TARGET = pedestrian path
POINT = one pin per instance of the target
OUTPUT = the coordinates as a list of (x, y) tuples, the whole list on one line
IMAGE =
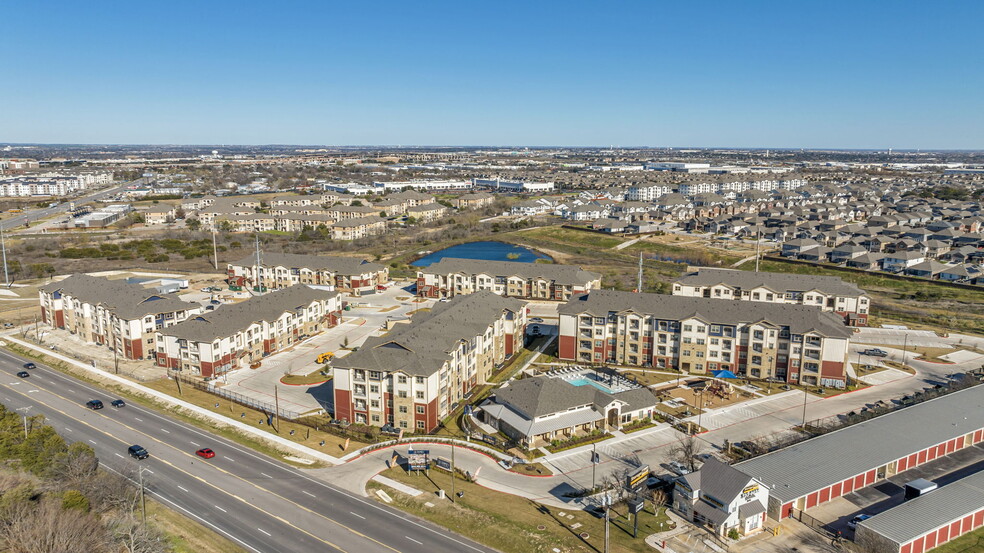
[(398, 486)]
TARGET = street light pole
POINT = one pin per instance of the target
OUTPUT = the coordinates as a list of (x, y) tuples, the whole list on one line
[(452, 471), (905, 346), (700, 409), (143, 499), (805, 396)]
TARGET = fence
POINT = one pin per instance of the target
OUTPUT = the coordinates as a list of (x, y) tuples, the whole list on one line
[(234, 397), (815, 524)]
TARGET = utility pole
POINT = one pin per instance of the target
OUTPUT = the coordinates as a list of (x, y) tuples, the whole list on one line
[(805, 395), (143, 500), (758, 246), (3, 246), (116, 360), (215, 251), (639, 284), (453, 475), (608, 504), (276, 399), (257, 282), (905, 347), (594, 464)]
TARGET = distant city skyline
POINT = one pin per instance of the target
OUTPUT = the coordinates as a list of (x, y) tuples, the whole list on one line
[(837, 75)]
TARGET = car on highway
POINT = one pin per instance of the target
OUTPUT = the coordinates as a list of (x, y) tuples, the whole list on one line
[(853, 523), (30, 366), (23, 374), (94, 404), (875, 352), (205, 453), (137, 452), (118, 403)]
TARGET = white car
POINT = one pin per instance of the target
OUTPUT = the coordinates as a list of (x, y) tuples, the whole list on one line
[(678, 467)]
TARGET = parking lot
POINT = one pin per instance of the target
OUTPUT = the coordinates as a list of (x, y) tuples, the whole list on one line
[(888, 493)]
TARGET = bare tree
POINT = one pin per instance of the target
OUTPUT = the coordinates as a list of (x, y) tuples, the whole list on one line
[(134, 537), (47, 528), (686, 450)]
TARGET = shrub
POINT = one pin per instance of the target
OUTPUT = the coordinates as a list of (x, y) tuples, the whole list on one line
[(74, 499)]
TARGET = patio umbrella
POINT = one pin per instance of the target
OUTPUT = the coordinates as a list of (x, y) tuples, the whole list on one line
[(724, 374)]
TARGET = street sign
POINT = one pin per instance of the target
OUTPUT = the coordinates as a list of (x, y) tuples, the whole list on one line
[(418, 459), (638, 477), (636, 505)]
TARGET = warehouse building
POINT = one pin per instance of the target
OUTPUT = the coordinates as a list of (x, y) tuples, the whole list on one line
[(816, 471), (928, 521)]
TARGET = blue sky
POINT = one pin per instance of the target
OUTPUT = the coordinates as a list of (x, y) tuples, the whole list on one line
[(860, 74)]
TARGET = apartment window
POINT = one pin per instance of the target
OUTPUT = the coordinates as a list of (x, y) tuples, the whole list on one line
[(687, 340), (402, 379), (375, 375), (403, 409), (402, 393), (598, 343), (687, 328), (403, 424), (420, 380), (375, 418), (420, 409), (374, 388), (374, 403), (715, 329), (420, 425), (420, 395)]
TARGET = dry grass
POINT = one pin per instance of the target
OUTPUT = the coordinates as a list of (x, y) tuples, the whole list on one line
[(186, 535)]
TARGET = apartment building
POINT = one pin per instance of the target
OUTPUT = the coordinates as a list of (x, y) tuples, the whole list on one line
[(236, 335), (795, 343), (647, 192), (123, 317), (452, 277), (414, 376), (282, 270), (427, 212), (360, 227), (475, 200), (826, 292)]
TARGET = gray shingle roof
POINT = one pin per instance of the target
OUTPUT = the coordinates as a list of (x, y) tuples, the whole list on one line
[(422, 347), (924, 514), (799, 318), (809, 466), (126, 301), (561, 274), (229, 319), (346, 266), (778, 282), (722, 481)]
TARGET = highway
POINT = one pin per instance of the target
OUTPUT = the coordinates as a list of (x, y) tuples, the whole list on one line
[(31, 215), (261, 504)]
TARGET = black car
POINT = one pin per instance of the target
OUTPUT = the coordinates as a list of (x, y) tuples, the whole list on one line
[(30, 366), (118, 403), (137, 452), (94, 404), (23, 374)]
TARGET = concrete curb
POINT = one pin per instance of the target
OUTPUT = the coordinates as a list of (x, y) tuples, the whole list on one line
[(283, 442)]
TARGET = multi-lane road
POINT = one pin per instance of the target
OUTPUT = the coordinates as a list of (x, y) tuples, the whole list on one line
[(12, 221), (257, 502)]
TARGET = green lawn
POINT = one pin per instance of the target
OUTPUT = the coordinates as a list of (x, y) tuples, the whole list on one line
[(968, 543), (516, 525)]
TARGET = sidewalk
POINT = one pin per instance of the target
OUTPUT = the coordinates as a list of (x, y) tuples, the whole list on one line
[(200, 412)]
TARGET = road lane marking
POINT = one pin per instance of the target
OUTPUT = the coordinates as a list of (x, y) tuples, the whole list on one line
[(182, 488), (118, 455), (308, 493), (414, 541), (265, 474), (93, 441), (194, 444), (220, 508), (148, 470), (67, 429), (358, 515), (264, 531), (165, 431), (140, 420)]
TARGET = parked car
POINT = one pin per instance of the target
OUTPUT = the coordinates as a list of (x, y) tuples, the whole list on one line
[(853, 523), (875, 352), (118, 403), (215, 302), (205, 453), (94, 404), (678, 467), (23, 374), (30, 366), (536, 320), (137, 452)]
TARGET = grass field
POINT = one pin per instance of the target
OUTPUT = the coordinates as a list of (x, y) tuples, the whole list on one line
[(516, 525), (968, 543)]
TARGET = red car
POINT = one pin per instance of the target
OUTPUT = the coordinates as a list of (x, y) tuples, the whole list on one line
[(205, 452)]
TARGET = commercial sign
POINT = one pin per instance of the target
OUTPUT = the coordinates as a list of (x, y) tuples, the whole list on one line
[(636, 505), (442, 463), (418, 459), (638, 477)]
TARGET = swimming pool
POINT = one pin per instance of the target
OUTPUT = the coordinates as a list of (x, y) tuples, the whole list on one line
[(590, 382)]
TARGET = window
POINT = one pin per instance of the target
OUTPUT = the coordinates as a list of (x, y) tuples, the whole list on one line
[(687, 328), (374, 388), (402, 393), (403, 424), (402, 379), (420, 394), (421, 380), (403, 409), (420, 409), (375, 418), (420, 425)]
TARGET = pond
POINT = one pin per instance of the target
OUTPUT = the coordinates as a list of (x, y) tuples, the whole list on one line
[(491, 251)]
